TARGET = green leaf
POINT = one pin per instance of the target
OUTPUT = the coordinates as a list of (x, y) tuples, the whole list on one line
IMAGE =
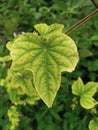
[(85, 92), (5, 58), (24, 81), (84, 52), (42, 28), (9, 45), (87, 102), (92, 65), (93, 124), (77, 87), (21, 84), (94, 38), (13, 115), (90, 88), (46, 56), (32, 99), (46, 30), (61, 4)]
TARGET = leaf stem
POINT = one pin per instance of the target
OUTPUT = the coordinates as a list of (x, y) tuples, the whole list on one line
[(81, 22)]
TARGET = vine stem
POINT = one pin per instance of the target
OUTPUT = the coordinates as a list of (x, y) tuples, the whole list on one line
[(94, 3), (81, 22)]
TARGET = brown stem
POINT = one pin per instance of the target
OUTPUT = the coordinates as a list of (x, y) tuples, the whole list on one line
[(81, 22), (94, 3)]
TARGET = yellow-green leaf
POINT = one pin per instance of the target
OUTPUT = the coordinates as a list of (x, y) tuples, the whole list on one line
[(21, 84), (13, 115), (85, 92), (87, 102), (93, 124), (78, 87), (46, 30), (46, 56)]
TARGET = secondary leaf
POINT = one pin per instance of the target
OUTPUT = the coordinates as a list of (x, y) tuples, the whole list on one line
[(93, 124), (92, 65), (87, 102), (95, 37), (84, 52), (13, 115), (46, 56), (77, 87), (90, 88), (24, 82), (85, 92), (21, 86)]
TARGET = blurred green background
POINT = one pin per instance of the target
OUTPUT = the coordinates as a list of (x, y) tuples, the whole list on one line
[(18, 16)]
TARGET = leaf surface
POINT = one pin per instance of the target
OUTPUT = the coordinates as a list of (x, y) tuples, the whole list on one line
[(85, 92), (46, 30), (21, 85), (46, 56), (13, 115), (93, 124), (87, 102), (95, 38), (78, 87)]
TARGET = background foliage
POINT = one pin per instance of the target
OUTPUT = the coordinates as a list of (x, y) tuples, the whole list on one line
[(66, 114)]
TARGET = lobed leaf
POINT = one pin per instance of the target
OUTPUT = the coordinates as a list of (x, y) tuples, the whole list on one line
[(46, 55), (85, 92)]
